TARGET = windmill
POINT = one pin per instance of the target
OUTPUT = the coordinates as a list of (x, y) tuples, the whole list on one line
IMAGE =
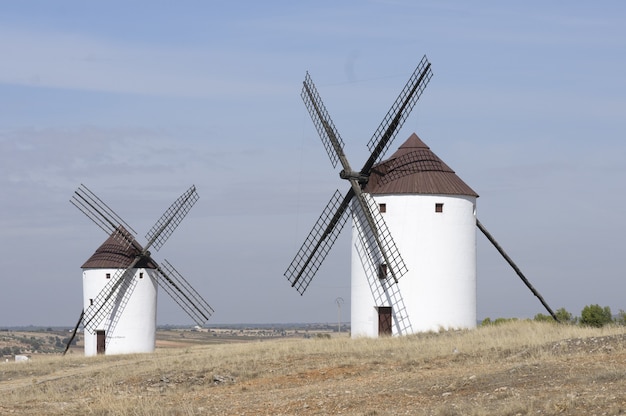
[(120, 280), (385, 200)]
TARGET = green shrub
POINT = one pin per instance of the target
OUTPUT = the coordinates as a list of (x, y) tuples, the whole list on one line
[(596, 316), (497, 321), (543, 318), (564, 316)]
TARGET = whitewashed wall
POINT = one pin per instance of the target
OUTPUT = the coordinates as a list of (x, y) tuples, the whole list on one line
[(135, 332), (439, 249)]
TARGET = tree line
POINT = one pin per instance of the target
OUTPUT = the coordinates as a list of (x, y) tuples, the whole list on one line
[(591, 315)]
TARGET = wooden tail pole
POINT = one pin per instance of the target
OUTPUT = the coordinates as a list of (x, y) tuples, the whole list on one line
[(514, 266), (67, 347)]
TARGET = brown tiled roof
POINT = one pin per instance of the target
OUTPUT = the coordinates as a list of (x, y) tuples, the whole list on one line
[(117, 253), (415, 169)]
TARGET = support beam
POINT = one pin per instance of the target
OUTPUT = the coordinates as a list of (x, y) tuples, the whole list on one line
[(514, 266)]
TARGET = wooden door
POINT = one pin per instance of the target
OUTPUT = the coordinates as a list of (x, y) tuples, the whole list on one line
[(384, 320), (100, 342)]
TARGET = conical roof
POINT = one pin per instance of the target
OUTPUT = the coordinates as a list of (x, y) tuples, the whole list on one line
[(118, 252), (415, 169)]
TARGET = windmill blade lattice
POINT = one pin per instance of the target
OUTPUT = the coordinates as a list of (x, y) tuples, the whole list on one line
[(389, 253), (122, 298), (331, 139), (165, 226), (321, 119), (397, 114), (383, 292), (325, 231), (103, 304), (319, 241), (183, 294), (103, 216)]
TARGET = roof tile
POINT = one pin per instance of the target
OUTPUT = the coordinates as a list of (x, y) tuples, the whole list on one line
[(415, 169), (117, 253)]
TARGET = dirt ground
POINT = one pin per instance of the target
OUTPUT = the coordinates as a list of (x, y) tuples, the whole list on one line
[(585, 376)]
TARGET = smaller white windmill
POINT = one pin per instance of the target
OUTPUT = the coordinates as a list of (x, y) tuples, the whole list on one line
[(120, 280)]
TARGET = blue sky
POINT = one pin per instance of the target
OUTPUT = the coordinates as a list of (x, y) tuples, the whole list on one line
[(139, 100)]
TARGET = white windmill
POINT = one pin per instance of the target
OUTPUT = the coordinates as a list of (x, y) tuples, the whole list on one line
[(414, 197), (430, 212), (120, 280)]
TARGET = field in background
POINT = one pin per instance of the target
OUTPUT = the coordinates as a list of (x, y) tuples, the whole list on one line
[(33, 341), (516, 368)]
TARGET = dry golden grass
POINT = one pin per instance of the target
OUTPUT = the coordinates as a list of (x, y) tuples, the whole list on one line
[(517, 368)]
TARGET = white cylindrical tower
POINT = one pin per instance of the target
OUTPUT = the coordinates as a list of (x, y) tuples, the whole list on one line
[(130, 326), (431, 215)]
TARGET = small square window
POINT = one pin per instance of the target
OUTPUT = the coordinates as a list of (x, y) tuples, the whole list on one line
[(91, 301), (141, 275), (108, 275), (438, 207), (382, 207), (382, 271)]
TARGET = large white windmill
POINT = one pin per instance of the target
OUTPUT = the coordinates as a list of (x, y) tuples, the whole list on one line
[(430, 212), (413, 218), (120, 280)]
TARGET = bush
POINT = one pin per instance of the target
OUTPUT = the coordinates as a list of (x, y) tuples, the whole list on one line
[(564, 316), (543, 318), (596, 316), (497, 321)]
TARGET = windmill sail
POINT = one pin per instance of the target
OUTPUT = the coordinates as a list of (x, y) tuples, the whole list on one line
[(321, 119), (397, 114), (103, 216), (389, 257), (319, 241), (325, 231), (183, 294), (165, 226)]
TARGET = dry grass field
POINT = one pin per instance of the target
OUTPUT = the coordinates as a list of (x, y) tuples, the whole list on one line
[(517, 368)]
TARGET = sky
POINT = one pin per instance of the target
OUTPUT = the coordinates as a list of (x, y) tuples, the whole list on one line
[(140, 100)]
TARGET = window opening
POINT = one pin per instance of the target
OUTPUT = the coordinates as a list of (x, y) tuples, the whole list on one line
[(382, 271), (438, 207), (382, 207)]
